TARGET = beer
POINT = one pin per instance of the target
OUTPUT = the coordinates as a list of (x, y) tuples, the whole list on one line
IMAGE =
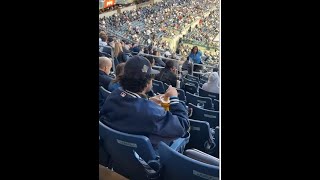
[(165, 102)]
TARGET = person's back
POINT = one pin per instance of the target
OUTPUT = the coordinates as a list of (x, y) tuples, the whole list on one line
[(213, 83), (133, 113)]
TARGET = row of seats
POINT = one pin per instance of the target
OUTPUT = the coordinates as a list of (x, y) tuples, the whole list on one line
[(134, 157)]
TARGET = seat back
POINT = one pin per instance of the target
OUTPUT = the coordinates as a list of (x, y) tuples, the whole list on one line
[(202, 81), (212, 117), (216, 140), (200, 136), (178, 166), (193, 78), (165, 85), (205, 93), (157, 86), (103, 94), (194, 99), (215, 104), (181, 95), (190, 82), (190, 88), (121, 147)]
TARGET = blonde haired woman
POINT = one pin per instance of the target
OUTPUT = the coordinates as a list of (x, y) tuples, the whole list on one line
[(118, 52)]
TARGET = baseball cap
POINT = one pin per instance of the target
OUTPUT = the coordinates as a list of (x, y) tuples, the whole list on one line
[(139, 66)]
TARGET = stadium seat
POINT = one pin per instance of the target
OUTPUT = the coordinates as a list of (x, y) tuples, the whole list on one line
[(205, 93), (177, 166), (195, 99), (157, 86), (121, 147), (190, 82), (181, 95), (202, 157), (103, 94), (215, 105), (193, 78), (191, 88), (197, 113), (202, 81), (165, 85), (216, 140), (201, 136)]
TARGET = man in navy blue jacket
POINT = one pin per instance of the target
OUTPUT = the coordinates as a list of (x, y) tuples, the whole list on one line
[(128, 109), (105, 65)]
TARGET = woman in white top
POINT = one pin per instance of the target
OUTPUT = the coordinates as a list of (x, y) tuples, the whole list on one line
[(213, 83)]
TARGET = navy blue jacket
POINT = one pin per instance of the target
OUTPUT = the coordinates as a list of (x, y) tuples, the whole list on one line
[(104, 79), (129, 112)]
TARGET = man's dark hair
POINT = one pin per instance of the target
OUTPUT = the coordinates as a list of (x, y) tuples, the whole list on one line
[(134, 83), (169, 64)]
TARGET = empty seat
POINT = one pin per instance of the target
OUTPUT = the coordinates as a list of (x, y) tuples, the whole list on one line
[(205, 93), (190, 82), (181, 95), (197, 113), (195, 99), (202, 81), (193, 78), (157, 86), (191, 88), (179, 167), (201, 136), (165, 85), (215, 104)]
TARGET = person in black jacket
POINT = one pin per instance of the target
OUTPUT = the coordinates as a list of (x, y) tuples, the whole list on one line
[(167, 74), (105, 65), (127, 109)]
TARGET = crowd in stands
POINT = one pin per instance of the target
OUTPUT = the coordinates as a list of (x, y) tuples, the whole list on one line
[(163, 19), (205, 32)]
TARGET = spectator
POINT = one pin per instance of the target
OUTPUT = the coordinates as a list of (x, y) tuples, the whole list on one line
[(128, 109), (118, 53), (115, 84), (158, 60), (195, 55), (167, 74), (213, 83), (105, 65)]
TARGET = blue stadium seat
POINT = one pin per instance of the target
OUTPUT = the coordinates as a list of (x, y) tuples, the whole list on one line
[(215, 105), (165, 85), (193, 78), (205, 93), (177, 166), (212, 117), (181, 95), (121, 147), (216, 140), (202, 81), (201, 136), (157, 86), (103, 94), (190, 82), (191, 88), (195, 99)]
